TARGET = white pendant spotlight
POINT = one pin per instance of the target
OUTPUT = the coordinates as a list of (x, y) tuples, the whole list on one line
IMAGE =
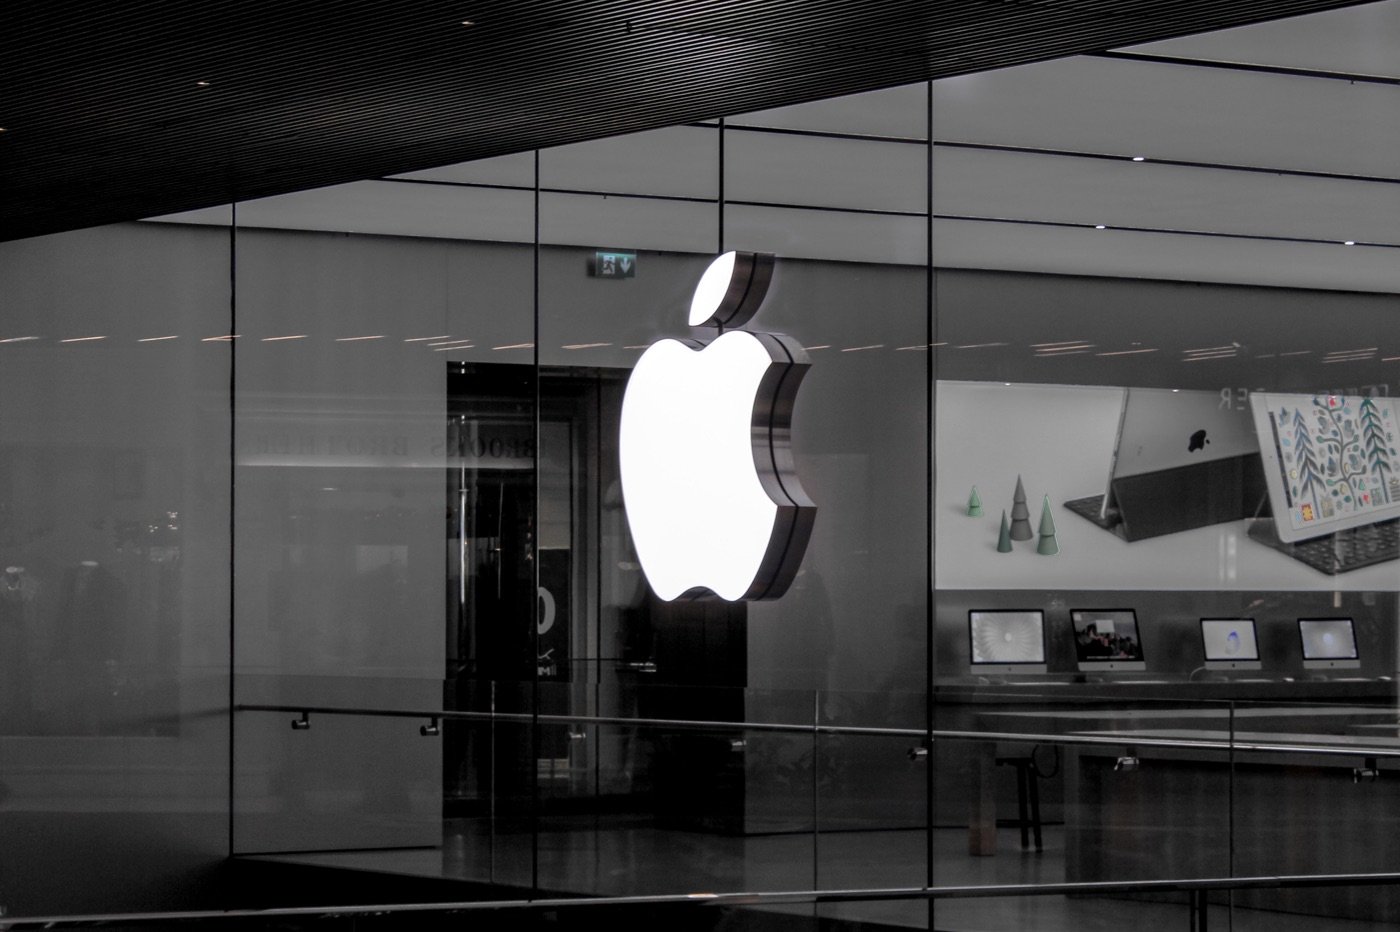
[(712, 498)]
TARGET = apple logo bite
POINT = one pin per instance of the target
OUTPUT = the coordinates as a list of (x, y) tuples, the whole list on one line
[(708, 482), (1197, 441)]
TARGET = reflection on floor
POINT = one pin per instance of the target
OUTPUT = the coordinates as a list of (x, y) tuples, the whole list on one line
[(603, 857)]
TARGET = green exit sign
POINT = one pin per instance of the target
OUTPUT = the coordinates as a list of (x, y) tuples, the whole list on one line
[(613, 265)]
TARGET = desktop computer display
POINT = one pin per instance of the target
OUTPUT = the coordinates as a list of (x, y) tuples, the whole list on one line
[(1328, 644), (1230, 644), (1007, 641), (1107, 640)]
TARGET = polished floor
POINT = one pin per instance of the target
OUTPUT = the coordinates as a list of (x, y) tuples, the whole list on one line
[(641, 859)]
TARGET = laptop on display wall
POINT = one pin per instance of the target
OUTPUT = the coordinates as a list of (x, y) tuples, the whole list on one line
[(1181, 460)]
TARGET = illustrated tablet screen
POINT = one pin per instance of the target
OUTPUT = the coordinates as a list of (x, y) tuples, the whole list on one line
[(1330, 461)]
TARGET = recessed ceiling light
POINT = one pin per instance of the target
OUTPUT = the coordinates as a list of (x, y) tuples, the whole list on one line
[(1350, 242), (468, 22), (1139, 158), (1100, 226), (202, 84)]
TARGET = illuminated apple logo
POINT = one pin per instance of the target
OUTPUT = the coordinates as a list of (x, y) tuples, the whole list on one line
[(712, 498)]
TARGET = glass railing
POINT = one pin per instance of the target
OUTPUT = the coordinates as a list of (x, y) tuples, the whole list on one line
[(1098, 806)]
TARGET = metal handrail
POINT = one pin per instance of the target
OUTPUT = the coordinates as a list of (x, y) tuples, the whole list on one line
[(796, 897), (1102, 740)]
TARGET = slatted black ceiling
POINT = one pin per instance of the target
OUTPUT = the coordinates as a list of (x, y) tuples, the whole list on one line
[(141, 107)]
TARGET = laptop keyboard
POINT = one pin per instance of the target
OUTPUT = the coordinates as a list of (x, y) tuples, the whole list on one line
[(1089, 508), (1340, 552)]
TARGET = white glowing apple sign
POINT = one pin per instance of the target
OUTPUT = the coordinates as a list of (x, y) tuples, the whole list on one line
[(712, 498)]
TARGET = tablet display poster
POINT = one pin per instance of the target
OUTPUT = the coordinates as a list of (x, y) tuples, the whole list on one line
[(1340, 457)]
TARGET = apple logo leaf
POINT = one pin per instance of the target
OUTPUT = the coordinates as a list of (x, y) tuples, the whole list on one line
[(731, 290)]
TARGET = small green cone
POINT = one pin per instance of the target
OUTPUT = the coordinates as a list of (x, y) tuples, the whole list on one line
[(974, 504), (1004, 538), (1048, 546)]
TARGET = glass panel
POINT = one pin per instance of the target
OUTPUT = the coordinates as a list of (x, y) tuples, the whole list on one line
[(1320, 771), (1164, 503), (384, 522), (114, 555)]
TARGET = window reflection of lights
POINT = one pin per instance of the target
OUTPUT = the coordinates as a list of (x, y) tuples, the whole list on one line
[(378, 336), (1061, 343), (1068, 349), (917, 346), (1301, 352), (455, 346), (445, 336), (451, 343), (1055, 354), (817, 347), (1128, 352), (81, 339), (18, 339), (1207, 358), (632, 346), (860, 349), (1389, 358), (577, 346), (290, 336), (515, 346), (158, 339), (1356, 355), (223, 339), (977, 345), (1211, 349)]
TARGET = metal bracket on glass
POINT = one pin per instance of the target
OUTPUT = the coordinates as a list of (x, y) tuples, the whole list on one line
[(303, 723), (1368, 772), (432, 729)]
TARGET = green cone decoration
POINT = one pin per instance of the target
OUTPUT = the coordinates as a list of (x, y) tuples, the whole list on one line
[(1048, 546), (1020, 516), (974, 504), (1004, 538)]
